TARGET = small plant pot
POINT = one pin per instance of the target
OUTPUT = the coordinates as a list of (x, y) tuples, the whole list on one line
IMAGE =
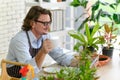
[(92, 49), (107, 51), (103, 60)]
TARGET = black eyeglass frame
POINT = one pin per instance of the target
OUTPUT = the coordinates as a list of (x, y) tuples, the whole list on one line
[(44, 23)]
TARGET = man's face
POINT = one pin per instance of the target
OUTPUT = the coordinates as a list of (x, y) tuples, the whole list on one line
[(42, 24)]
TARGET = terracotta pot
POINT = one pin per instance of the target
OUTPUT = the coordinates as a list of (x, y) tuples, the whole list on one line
[(103, 60)]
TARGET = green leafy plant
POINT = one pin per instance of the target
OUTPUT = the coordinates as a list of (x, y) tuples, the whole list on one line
[(88, 39), (68, 74), (97, 12), (76, 3), (84, 71), (50, 77)]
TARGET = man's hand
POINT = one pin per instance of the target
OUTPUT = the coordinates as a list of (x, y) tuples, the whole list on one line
[(74, 62), (47, 46)]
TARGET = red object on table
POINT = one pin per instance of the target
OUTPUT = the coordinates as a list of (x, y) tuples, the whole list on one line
[(24, 70)]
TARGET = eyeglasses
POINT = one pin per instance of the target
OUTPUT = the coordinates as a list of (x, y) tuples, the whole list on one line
[(44, 23)]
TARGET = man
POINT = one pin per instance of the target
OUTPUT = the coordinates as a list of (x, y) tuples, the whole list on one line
[(32, 43)]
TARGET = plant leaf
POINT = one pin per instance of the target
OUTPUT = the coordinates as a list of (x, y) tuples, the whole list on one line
[(113, 37), (82, 25), (77, 46), (106, 14), (104, 3), (98, 15), (95, 6), (75, 3), (114, 29), (76, 35), (112, 5), (95, 29), (116, 18), (87, 32), (107, 28), (117, 1)]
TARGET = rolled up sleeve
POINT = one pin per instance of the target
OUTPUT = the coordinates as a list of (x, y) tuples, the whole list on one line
[(60, 57)]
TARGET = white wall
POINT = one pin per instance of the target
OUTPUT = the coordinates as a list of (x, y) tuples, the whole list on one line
[(12, 13)]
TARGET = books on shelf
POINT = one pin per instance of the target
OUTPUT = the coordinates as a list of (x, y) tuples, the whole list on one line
[(57, 20)]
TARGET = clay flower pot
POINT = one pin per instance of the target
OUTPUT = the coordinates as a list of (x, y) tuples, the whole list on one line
[(103, 60)]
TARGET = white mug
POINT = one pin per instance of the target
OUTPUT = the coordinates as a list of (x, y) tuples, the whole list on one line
[(55, 41)]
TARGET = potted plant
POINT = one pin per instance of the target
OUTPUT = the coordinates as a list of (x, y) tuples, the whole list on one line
[(87, 40), (109, 38)]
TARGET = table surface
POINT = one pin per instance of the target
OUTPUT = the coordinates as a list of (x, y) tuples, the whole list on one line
[(110, 71)]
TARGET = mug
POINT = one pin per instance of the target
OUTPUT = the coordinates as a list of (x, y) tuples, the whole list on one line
[(55, 41)]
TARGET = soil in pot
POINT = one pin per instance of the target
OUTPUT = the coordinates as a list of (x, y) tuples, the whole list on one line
[(103, 60)]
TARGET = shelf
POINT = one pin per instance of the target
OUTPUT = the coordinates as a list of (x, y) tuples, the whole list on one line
[(32, 3), (54, 5), (49, 5)]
